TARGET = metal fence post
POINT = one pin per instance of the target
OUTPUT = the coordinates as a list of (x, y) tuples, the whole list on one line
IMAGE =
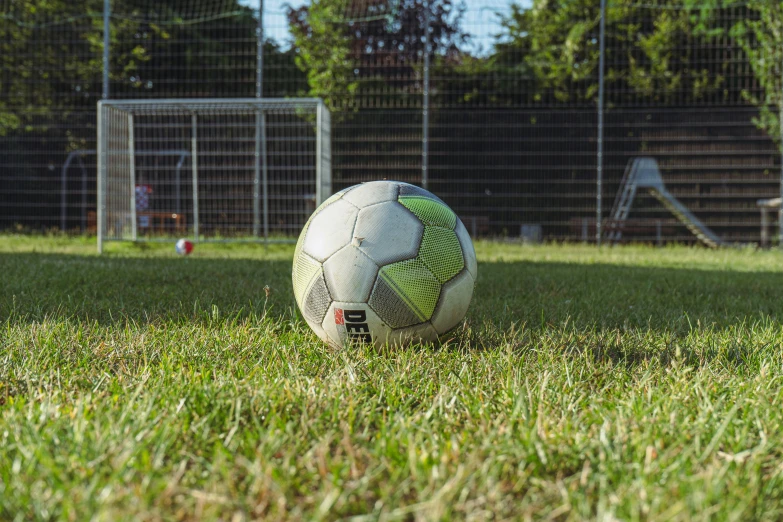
[(257, 178), (260, 145), (260, 51), (320, 169), (264, 174), (101, 183), (106, 43), (132, 172), (764, 239), (425, 104), (780, 122), (194, 171), (102, 149), (600, 153)]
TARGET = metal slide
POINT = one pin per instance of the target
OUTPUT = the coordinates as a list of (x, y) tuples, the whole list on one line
[(643, 173)]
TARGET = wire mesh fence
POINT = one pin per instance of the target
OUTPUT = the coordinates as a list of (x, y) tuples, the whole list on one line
[(246, 169), (491, 105)]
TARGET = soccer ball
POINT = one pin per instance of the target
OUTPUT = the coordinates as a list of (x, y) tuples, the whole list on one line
[(184, 247), (383, 263)]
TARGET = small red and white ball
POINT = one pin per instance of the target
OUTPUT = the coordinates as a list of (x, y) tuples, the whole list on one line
[(184, 247)]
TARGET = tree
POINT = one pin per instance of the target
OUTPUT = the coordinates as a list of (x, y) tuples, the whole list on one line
[(654, 53), (323, 50), (51, 71), (343, 45), (207, 51), (51, 59), (761, 36), (36, 70), (51, 65)]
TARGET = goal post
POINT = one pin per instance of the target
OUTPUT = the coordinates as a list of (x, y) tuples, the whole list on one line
[(237, 169)]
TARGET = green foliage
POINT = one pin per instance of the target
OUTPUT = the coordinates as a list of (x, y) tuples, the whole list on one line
[(555, 40), (587, 384), (51, 65), (660, 51), (482, 81), (51, 56), (174, 43), (665, 66), (348, 46), (323, 46), (761, 35), (645, 54)]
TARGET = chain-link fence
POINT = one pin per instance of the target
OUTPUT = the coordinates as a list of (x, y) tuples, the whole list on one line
[(502, 108)]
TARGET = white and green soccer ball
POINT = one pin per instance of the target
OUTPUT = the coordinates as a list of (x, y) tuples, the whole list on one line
[(383, 263)]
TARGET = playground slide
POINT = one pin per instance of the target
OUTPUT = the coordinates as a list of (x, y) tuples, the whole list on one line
[(686, 217), (643, 173)]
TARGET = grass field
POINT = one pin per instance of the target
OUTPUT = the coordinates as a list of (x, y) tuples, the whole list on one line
[(625, 383)]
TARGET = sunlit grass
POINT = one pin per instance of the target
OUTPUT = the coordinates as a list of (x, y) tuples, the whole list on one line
[(621, 383)]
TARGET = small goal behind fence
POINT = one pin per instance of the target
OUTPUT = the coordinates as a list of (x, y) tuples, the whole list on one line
[(210, 169)]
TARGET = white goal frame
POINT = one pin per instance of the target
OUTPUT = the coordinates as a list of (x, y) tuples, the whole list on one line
[(118, 153)]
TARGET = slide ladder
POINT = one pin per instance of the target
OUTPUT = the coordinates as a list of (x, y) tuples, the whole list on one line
[(643, 173)]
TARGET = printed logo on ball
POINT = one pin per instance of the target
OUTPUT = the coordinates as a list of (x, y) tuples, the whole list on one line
[(352, 324)]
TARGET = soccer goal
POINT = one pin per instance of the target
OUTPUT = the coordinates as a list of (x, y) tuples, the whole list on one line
[(210, 169)]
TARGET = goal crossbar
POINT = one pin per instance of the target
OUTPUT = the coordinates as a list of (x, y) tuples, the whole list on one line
[(215, 104)]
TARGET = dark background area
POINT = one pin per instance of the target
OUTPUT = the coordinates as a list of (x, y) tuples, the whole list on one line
[(512, 128)]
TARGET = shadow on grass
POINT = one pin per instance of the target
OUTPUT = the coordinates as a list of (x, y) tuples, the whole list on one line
[(611, 296), (629, 315), (115, 289), (509, 295)]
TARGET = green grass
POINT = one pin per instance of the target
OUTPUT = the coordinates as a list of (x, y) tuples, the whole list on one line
[(626, 383)]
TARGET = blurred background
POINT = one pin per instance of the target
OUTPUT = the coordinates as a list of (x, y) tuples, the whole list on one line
[(501, 108)]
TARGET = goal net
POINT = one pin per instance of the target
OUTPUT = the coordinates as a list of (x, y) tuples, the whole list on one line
[(210, 169)]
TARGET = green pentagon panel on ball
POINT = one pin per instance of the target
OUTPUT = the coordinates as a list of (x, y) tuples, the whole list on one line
[(430, 211), (441, 252)]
